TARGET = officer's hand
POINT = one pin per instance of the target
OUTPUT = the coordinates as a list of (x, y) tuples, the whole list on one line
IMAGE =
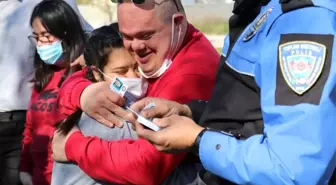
[(163, 108), (177, 133), (26, 178), (102, 104), (58, 145)]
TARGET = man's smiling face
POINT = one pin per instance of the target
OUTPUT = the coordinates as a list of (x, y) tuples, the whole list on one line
[(145, 34)]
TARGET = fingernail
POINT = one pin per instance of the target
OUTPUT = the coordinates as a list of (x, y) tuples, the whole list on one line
[(121, 124), (155, 120), (146, 114)]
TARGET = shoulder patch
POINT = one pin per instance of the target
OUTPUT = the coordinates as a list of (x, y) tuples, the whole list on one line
[(301, 64), (303, 67), (257, 25)]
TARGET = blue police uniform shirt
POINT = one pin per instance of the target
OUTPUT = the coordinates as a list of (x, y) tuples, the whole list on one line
[(226, 45), (290, 55)]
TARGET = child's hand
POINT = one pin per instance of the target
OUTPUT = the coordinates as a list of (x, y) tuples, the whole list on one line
[(58, 145), (79, 61), (26, 178)]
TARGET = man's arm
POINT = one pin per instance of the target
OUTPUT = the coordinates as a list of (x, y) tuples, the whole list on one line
[(95, 99), (122, 162), (136, 162), (298, 143), (70, 92)]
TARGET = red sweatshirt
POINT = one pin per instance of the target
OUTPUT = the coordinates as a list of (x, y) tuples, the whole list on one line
[(42, 115), (191, 76)]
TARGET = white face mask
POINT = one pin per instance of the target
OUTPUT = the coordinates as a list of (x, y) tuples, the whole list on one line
[(174, 46), (137, 87)]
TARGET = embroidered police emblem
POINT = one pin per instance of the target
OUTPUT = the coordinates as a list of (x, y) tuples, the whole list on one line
[(301, 64), (257, 25)]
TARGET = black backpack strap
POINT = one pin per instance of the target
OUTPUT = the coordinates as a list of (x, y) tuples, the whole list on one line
[(289, 5)]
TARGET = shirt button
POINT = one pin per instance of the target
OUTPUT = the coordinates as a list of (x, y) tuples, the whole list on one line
[(218, 146)]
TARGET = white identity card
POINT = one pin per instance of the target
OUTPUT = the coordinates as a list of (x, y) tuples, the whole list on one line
[(145, 121)]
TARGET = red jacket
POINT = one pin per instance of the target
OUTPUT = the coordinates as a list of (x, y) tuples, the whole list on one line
[(42, 115), (191, 76)]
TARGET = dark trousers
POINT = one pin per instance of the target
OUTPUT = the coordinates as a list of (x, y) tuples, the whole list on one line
[(11, 129)]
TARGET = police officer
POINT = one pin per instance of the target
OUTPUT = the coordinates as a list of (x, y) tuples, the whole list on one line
[(279, 74)]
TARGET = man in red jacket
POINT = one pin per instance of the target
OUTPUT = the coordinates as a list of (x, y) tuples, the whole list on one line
[(179, 63)]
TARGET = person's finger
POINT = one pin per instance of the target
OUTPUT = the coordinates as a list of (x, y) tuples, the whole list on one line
[(130, 117), (53, 156), (138, 127), (138, 106), (75, 63), (112, 103), (121, 113), (120, 123), (115, 98), (113, 113), (163, 122), (108, 107), (57, 133), (133, 127), (107, 118), (152, 136), (156, 112), (79, 61), (160, 148)]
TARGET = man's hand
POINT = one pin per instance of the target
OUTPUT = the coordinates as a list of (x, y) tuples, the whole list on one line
[(102, 104), (26, 178), (58, 145), (177, 133), (163, 108)]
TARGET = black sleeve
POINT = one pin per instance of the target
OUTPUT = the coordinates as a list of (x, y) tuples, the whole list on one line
[(197, 108)]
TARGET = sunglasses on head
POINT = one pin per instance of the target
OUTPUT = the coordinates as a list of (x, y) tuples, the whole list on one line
[(134, 1), (140, 2)]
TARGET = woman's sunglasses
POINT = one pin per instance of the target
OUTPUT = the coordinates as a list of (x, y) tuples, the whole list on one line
[(139, 2)]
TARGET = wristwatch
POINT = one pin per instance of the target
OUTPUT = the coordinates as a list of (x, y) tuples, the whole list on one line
[(195, 147)]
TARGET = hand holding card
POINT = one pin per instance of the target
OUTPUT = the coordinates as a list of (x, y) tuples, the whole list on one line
[(145, 121)]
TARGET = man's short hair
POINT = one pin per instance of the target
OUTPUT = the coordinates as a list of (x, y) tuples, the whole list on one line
[(167, 8)]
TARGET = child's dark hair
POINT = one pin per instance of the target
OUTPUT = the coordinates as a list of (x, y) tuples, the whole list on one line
[(99, 45)]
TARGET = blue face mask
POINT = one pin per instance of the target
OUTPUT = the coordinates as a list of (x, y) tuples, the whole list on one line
[(50, 53)]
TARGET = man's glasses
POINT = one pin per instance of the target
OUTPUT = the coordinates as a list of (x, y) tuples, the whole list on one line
[(141, 2)]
